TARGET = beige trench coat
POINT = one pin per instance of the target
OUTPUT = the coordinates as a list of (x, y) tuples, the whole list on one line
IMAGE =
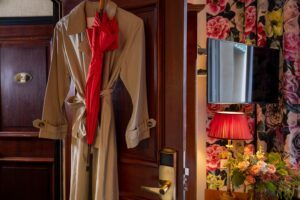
[(70, 61)]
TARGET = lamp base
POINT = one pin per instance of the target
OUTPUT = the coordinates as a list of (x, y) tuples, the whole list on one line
[(227, 196)]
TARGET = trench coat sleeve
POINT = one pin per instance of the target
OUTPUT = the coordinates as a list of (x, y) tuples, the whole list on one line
[(133, 75), (54, 124)]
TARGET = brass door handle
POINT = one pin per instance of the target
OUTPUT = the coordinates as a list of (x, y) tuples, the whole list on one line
[(164, 186), (166, 176)]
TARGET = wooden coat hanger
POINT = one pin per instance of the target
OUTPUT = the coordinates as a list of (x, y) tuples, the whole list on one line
[(101, 5)]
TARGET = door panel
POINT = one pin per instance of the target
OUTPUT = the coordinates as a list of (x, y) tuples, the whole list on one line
[(29, 166), (34, 179), (139, 166), (24, 98)]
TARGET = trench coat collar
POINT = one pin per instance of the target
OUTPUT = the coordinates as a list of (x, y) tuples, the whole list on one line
[(77, 17)]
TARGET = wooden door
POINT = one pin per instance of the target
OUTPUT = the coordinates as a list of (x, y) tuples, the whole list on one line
[(165, 22), (29, 166)]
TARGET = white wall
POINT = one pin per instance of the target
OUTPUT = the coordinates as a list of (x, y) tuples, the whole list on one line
[(201, 110), (25, 8)]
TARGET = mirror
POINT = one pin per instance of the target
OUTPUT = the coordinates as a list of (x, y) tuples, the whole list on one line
[(238, 73)]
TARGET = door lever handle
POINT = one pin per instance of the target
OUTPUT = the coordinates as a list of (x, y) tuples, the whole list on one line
[(166, 176), (164, 186)]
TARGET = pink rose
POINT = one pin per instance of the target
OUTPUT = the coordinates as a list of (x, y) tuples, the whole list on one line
[(218, 27), (292, 121), (247, 2), (290, 87), (243, 165), (239, 18), (213, 156), (290, 16), (248, 108), (211, 109), (291, 26), (249, 149), (254, 170), (297, 66), (290, 10), (250, 179), (250, 20), (291, 46), (262, 165), (251, 124), (262, 7), (211, 140), (262, 38), (214, 7), (271, 169), (273, 115)]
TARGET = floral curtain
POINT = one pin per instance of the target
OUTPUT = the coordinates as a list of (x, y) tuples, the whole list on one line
[(271, 24)]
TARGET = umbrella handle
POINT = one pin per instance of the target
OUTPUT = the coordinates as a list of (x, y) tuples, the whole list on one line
[(101, 6)]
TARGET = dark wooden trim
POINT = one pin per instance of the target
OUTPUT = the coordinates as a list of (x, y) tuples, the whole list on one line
[(26, 159), (191, 156), (58, 170), (19, 134), (195, 7), (175, 83), (26, 31), (26, 20), (138, 162)]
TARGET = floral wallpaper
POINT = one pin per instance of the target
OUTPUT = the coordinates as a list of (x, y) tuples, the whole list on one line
[(265, 23)]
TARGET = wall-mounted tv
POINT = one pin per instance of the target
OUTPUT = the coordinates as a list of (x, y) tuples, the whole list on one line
[(240, 73)]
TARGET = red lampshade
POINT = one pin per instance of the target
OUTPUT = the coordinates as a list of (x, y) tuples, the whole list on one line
[(230, 125)]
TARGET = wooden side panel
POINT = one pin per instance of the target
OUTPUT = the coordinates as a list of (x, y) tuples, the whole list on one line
[(26, 180), (29, 167)]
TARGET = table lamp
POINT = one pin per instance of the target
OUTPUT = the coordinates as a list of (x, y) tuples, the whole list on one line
[(230, 126)]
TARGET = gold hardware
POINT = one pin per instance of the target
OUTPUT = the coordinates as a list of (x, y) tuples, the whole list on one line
[(22, 77), (41, 124), (167, 176), (162, 190)]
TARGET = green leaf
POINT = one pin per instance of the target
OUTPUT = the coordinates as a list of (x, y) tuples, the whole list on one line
[(239, 5), (271, 187), (237, 178), (282, 172), (274, 158)]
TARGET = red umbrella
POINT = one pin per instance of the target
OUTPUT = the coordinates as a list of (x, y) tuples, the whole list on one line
[(103, 36)]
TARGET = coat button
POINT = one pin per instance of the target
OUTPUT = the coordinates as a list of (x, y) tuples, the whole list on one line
[(41, 124)]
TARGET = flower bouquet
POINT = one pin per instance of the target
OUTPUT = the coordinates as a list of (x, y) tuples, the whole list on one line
[(269, 176)]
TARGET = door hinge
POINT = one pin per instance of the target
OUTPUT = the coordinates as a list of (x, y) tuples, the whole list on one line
[(186, 173), (185, 178)]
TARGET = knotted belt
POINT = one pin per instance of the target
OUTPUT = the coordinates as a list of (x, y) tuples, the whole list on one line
[(78, 104)]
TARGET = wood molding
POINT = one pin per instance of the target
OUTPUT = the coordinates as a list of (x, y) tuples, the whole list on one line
[(195, 7), (27, 159), (21, 134)]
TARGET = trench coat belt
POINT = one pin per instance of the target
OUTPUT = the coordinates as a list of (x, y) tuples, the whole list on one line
[(78, 104)]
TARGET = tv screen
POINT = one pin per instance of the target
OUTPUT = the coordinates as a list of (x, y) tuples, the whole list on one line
[(239, 73)]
